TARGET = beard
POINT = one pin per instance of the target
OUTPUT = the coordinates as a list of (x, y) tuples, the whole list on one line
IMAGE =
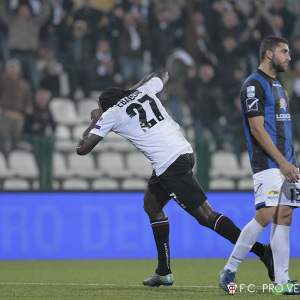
[(277, 65)]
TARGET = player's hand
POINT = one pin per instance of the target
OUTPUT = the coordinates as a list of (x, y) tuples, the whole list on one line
[(290, 172), (96, 114)]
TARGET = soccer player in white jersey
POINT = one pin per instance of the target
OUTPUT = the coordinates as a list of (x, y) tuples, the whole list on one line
[(138, 115)]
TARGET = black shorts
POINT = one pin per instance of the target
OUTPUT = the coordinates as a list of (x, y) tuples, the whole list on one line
[(180, 183)]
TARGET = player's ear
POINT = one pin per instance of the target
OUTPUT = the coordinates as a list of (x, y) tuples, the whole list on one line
[(269, 54)]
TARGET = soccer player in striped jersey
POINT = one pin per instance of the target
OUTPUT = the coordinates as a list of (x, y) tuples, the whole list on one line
[(267, 125), (139, 116)]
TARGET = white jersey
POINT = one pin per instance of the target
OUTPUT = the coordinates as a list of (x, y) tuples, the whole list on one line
[(141, 119)]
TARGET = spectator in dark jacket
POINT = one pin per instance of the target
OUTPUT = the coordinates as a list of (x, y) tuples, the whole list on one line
[(79, 59), (162, 39), (91, 16), (131, 45), (39, 131), (205, 98)]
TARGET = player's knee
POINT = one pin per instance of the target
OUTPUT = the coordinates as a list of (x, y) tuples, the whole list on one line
[(205, 218), (265, 215), (264, 220), (204, 222), (285, 218), (205, 215), (152, 211)]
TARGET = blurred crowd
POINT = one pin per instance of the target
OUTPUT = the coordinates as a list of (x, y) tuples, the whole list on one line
[(208, 46)]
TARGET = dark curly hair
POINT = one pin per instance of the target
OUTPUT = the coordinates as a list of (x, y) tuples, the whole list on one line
[(111, 96)]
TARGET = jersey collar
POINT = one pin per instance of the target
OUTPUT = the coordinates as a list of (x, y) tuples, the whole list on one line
[(262, 73)]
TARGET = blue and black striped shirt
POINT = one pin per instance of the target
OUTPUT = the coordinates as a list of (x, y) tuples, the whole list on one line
[(262, 95)]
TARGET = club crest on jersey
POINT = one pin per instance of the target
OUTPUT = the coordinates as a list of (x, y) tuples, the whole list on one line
[(252, 104), (283, 104), (250, 91)]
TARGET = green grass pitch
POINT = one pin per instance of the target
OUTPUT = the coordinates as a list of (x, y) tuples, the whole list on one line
[(122, 279)]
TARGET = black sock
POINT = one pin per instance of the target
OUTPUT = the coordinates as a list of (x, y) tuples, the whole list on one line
[(227, 229), (160, 230)]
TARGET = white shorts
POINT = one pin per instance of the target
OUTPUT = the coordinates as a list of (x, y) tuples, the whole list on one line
[(271, 189)]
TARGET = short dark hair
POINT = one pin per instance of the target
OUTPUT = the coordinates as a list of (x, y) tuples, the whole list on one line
[(270, 43), (111, 96)]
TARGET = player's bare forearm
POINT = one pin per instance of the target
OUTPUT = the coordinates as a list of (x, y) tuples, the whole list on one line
[(162, 74), (88, 140)]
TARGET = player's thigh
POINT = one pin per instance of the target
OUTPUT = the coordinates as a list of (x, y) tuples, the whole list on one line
[(265, 215), (182, 185), (155, 197)]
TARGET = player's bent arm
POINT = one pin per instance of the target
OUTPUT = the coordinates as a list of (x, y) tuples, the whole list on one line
[(162, 74), (89, 140), (260, 134)]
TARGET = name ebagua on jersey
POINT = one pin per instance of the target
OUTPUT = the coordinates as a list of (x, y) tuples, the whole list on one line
[(142, 119), (128, 99), (262, 95)]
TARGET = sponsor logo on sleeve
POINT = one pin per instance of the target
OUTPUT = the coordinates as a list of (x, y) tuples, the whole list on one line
[(251, 91), (252, 104), (97, 126)]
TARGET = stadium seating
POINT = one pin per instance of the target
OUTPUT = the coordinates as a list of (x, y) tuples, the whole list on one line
[(78, 130), (245, 164), (113, 165), (60, 168), (85, 106), (139, 164), (75, 184), (245, 184), (64, 142), (105, 184), (225, 163), (5, 172), (16, 184), (221, 184), (83, 166), (23, 164), (134, 184), (64, 111)]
